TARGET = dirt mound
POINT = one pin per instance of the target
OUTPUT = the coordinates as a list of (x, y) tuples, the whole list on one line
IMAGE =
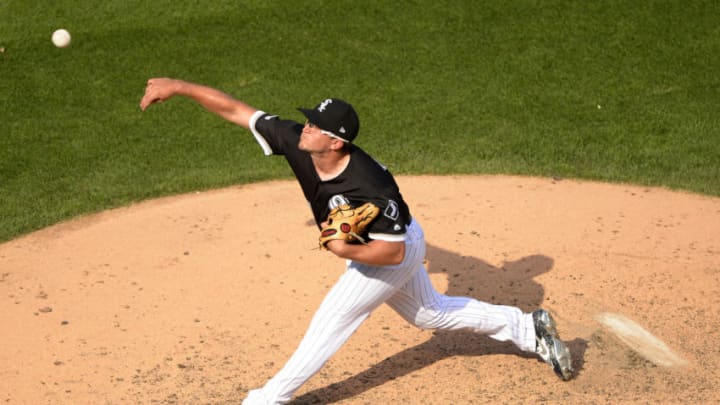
[(199, 298)]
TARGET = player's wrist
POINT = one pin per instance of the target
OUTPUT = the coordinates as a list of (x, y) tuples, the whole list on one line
[(336, 246), (180, 87)]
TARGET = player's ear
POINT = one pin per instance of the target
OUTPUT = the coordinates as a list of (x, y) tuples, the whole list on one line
[(337, 144)]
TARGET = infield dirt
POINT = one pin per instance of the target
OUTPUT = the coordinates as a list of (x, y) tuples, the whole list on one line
[(196, 299)]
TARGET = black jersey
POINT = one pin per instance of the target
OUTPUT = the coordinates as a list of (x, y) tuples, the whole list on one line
[(363, 180)]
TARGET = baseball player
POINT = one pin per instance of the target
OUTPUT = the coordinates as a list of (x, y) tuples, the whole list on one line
[(384, 264)]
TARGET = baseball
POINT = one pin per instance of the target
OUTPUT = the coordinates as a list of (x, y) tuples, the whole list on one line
[(61, 38)]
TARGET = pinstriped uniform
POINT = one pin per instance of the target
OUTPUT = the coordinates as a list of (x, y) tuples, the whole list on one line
[(362, 288)]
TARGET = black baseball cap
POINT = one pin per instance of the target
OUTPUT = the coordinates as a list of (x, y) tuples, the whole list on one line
[(336, 116)]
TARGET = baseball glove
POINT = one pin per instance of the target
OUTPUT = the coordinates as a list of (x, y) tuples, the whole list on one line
[(347, 223)]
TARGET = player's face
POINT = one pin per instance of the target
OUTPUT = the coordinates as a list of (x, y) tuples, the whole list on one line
[(313, 139)]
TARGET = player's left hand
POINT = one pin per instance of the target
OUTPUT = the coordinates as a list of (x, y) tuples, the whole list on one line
[(347, 224)]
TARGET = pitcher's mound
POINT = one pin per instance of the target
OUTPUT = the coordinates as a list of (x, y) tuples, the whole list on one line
[(196, 299)]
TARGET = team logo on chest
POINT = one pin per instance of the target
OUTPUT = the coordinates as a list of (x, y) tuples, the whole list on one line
[(337, 200)]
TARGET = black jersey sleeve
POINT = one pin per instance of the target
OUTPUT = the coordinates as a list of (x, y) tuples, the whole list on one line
[(391, 225), (275, 136), (280, 137)]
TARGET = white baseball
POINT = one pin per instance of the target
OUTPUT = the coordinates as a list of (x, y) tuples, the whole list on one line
[(61, 38)]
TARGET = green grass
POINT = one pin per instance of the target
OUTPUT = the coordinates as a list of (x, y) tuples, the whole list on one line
[(608, 90)]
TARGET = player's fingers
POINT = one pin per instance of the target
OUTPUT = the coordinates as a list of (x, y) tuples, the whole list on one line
[(148, 99), (144, 102), (152, 90)]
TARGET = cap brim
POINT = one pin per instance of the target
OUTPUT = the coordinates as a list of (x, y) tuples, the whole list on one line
[(313, 116), (310, 114)]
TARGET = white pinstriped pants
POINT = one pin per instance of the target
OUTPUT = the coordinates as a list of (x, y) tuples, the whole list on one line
[(407, 289)]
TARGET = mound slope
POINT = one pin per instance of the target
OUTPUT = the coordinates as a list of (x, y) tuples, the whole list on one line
[(201, 297)]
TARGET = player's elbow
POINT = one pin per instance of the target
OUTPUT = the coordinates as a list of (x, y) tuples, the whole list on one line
[(241, 114), (396, 253), (375, 253)]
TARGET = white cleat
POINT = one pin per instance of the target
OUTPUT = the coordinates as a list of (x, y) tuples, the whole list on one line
[(549, 346)]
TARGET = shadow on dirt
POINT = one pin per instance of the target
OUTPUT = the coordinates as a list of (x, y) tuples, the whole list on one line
[(512, 283)]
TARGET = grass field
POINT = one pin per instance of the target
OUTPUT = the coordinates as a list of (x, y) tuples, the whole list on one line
[(608, 90)]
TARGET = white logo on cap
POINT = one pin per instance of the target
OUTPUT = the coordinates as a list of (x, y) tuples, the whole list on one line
[(342, 130), (324, 105)]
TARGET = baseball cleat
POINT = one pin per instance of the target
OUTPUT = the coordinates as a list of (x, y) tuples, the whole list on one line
[(549, 346)]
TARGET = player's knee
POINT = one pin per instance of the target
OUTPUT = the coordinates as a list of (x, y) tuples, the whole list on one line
[(429, 319)]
